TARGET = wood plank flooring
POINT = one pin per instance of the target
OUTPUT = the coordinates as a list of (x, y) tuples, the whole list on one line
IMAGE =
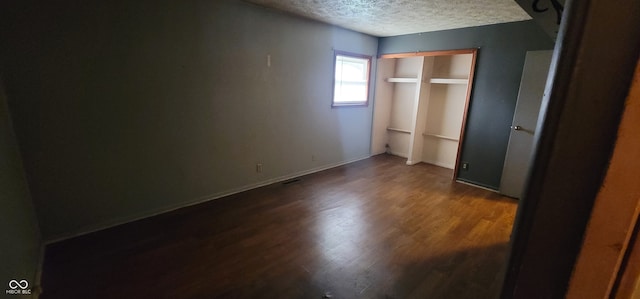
[(376, 228)]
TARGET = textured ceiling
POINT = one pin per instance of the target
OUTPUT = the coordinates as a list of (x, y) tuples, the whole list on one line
[(397, 17)]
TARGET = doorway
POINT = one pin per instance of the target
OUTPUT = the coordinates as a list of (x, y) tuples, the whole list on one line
[(525, 119)]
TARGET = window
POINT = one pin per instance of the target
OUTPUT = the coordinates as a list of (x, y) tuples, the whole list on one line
[(351, 83)]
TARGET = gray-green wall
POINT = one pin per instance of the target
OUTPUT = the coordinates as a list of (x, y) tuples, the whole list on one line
[(495, 87), (124, 109), (20, 244)]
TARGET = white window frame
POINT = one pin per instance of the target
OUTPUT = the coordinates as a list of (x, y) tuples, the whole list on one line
[(354, 57)]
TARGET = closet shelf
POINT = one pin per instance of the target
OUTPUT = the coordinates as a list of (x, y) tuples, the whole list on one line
[(448, 81), (399, 130), (402, 80), (440, 136)]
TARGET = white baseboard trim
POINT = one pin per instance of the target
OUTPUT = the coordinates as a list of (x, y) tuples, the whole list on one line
[(378, 152), (436, 163), (155, 212), (401, 155), (409, 162)]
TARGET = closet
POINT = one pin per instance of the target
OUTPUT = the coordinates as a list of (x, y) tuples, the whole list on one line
[(420, 105)]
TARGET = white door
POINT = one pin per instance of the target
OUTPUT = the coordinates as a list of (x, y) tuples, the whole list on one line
[(518, 158)]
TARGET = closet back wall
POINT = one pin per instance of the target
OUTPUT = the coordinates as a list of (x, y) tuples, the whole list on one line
[(495, 88), (124, 109)]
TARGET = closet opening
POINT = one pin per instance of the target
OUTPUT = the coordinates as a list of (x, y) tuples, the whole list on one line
[(420, 106)]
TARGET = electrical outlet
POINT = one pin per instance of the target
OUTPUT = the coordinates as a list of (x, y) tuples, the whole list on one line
[(259, 168), (313, 157), (465, 166)]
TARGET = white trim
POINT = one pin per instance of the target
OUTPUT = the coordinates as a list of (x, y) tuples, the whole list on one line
[(448, 81), (159, 211), (398, 130), (401, 155), (440, 137), (444, 165), (409, 162), (402, 80)]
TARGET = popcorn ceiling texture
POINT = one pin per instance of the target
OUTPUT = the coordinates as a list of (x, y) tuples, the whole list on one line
[(398, 17)]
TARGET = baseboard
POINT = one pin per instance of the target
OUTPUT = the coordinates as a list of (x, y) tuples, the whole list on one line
[(477, 185), (378, 152), (166, 209), (409, 162), (402, 155), (444, 165)]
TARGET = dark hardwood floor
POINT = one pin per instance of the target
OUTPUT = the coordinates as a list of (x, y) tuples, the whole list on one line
[(371, 229)]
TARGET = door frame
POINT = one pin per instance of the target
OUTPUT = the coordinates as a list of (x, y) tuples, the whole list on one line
[(474, 55)]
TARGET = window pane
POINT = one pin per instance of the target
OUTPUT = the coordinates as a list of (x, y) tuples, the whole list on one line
[(346, 92), (351, 80)]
